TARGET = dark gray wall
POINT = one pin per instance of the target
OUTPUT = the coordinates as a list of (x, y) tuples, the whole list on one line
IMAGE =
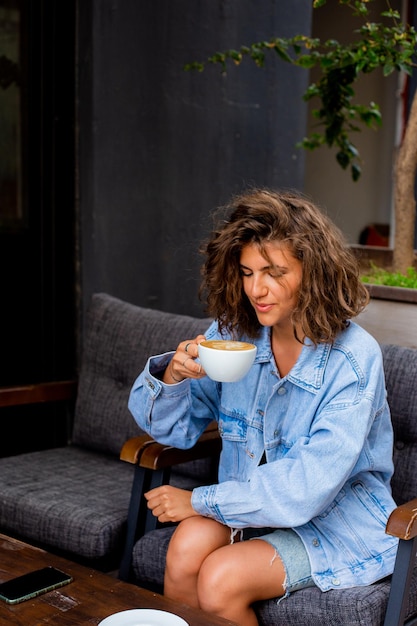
[(160, 148)]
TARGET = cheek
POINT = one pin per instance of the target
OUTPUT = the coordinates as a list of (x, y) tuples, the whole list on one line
[(289, 292)]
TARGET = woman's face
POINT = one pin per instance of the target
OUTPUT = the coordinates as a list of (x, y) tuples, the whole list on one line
[(271, 284)]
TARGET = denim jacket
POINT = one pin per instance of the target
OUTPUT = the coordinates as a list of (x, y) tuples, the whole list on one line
[(326, 432)]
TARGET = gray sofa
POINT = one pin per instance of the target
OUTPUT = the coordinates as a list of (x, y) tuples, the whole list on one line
[(74, 499)]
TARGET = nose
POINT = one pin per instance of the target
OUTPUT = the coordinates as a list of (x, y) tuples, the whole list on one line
[(259, 287)]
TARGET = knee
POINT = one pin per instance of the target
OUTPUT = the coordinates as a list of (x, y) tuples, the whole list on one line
[(183, 547), (215, 586)]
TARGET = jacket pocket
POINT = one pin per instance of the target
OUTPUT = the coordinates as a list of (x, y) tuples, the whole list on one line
[(233, 460), (354, 526), (370, 502), (233, 427)]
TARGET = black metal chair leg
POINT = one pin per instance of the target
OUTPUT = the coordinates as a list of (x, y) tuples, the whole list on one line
[(143, 480), (157, 478), (400, 583), (135, 506)]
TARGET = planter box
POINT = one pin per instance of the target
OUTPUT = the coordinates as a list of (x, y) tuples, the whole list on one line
[(394, 294), (391, 315)]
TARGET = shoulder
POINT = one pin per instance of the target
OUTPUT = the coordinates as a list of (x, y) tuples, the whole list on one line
[(357, 338), (359, 347)]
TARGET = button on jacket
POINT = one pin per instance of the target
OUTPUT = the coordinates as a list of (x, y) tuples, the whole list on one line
[(326, 432)]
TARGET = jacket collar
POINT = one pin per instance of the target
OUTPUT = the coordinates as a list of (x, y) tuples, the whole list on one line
[(308, 372)]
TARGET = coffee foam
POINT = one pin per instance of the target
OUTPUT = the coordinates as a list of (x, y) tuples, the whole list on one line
[(227, 344)]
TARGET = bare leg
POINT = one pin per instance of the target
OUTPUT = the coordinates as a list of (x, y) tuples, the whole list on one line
[(194, 539), (233, 577)]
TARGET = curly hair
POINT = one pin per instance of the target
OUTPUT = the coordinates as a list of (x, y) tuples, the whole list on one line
[(330, 293)]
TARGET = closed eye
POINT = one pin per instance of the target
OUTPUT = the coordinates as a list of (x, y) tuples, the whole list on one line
[(276, 274), (272, 272)]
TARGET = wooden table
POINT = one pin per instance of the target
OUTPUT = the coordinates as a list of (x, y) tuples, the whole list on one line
[(91, 597)]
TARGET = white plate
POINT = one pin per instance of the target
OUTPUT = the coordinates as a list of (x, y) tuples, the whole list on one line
[(143, 617)]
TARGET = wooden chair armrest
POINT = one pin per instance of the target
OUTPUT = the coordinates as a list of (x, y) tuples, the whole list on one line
[(132, 448), (158, 456), (40, 392), (146, 452), (402, 522)]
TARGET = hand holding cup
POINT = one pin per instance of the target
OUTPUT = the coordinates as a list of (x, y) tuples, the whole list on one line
[(184, 363)]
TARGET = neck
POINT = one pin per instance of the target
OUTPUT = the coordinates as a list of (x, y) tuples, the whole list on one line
[(285, 348)]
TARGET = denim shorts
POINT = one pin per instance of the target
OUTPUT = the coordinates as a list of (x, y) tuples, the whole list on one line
[(292, 553)]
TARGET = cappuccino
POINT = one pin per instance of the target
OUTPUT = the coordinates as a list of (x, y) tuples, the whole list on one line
[(227, 344)]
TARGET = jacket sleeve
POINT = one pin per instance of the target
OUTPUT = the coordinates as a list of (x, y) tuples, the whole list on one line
[(172, 414)]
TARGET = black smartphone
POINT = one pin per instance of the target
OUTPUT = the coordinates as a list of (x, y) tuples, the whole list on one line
[(33, 584)]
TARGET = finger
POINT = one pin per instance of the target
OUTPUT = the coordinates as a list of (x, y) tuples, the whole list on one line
[(190, 346), (157, 512), (157, 506), (152, 505), (152, 493), (159, 494), (160, 509), (191, 368), (189, 349)]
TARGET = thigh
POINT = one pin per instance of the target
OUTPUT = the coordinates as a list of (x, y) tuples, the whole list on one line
[(250, 568)]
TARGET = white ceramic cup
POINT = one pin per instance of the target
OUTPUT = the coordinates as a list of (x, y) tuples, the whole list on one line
[(226, 361)]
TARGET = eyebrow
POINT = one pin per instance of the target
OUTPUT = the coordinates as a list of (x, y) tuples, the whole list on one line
[(266, 267)]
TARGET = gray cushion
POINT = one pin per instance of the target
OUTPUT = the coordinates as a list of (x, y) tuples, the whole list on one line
[(67, 498), (120, 337)]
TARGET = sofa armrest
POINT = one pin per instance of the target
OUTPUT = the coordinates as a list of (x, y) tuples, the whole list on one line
[(158, 456), (40, 392), (132, 448), (402, 522), (149, 454)]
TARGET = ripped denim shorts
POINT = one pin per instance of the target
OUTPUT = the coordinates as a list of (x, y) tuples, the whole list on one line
[(292, 553)]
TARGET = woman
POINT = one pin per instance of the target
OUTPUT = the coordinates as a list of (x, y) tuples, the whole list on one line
[(307, 441)]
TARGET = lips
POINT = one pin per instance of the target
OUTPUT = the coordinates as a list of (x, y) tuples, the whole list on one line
[(263, 307)]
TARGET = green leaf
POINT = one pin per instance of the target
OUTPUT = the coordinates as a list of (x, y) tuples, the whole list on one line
[(392, 14), (343, 159), (315, 140), (380, 276), (388, 68), (352, 150), (282, 54), (189, 67), (307, 61), (402, 67), (355, 171)]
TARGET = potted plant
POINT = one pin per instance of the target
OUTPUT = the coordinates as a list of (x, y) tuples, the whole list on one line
[(385, 285), (391, 315)]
